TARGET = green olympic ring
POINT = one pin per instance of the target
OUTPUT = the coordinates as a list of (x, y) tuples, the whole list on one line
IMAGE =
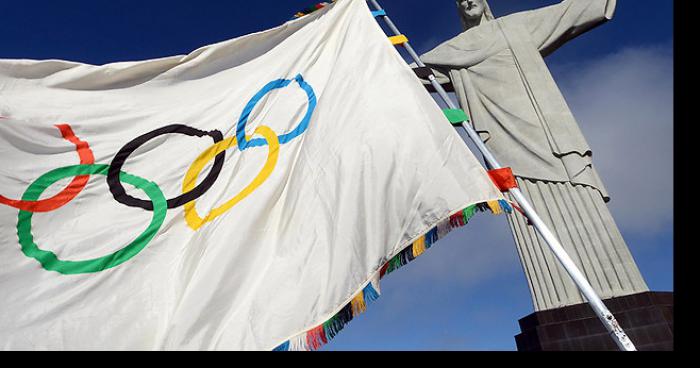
[(49, 260)]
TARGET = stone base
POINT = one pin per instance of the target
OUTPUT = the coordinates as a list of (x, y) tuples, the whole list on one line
[(647, 318)]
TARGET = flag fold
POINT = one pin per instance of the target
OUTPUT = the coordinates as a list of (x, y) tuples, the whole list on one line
[(248, 195)]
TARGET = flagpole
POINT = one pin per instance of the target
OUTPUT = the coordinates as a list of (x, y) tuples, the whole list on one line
[(609, 321)]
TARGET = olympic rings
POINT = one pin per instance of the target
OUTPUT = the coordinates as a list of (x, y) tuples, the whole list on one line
[(70, 191), (194, 221), (30, 203), (49, 260), (115, 167), (243, 143)]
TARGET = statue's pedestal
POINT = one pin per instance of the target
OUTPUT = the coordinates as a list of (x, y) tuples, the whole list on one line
[(647, 318)]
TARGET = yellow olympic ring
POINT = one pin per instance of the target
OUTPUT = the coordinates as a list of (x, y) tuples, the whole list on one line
[(194, 221)]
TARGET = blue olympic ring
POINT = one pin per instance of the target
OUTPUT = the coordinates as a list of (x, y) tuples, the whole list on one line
[(284, 138)]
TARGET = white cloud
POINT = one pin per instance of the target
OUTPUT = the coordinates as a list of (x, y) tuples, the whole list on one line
[(624, 104)]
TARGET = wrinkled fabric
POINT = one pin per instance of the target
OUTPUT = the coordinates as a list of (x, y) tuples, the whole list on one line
[(343, 161)]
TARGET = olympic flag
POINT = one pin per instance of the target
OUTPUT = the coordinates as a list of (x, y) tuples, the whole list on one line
[(249, 195)]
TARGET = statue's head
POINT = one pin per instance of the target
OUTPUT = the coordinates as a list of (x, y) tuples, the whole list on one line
[(473, 12)]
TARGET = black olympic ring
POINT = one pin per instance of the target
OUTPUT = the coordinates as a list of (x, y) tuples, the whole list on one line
[(117, 189)]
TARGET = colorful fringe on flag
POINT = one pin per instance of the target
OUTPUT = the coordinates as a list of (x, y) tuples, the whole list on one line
[(310, 9), (318, 336)]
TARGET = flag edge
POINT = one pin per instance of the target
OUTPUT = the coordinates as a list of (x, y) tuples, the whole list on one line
[(313, 338)]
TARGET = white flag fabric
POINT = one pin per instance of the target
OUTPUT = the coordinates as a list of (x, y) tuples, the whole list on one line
[(248, 195)]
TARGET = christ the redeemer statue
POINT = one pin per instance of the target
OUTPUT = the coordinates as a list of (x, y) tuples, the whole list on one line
[(503, 84)]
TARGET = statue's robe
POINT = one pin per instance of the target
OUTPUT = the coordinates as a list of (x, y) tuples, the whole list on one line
[(503, 84)]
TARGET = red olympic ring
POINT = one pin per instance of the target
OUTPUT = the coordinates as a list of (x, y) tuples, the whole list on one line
[(70, 191)]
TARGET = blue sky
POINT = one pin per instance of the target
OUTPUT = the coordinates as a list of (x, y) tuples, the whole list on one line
[(468, 292)]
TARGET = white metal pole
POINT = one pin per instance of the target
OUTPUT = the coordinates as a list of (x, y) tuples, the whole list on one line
[(616, 332)]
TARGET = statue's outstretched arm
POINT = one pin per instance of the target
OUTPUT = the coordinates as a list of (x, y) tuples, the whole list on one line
[(554, 25)]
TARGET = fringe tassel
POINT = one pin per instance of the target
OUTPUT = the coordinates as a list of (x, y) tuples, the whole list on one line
[(495, 207), (321, 335), (468, 213), (418, 246), (505, 206), (358, 304), (457, 220), (431, 237), (483, 207), (370, 294), (310, 9), (384, 269), (316, 337), (282, 347), (333, 326), (298, 343)]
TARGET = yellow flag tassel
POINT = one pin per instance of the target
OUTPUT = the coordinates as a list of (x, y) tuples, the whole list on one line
[(419, 246), (358, 304), (495, 207)]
